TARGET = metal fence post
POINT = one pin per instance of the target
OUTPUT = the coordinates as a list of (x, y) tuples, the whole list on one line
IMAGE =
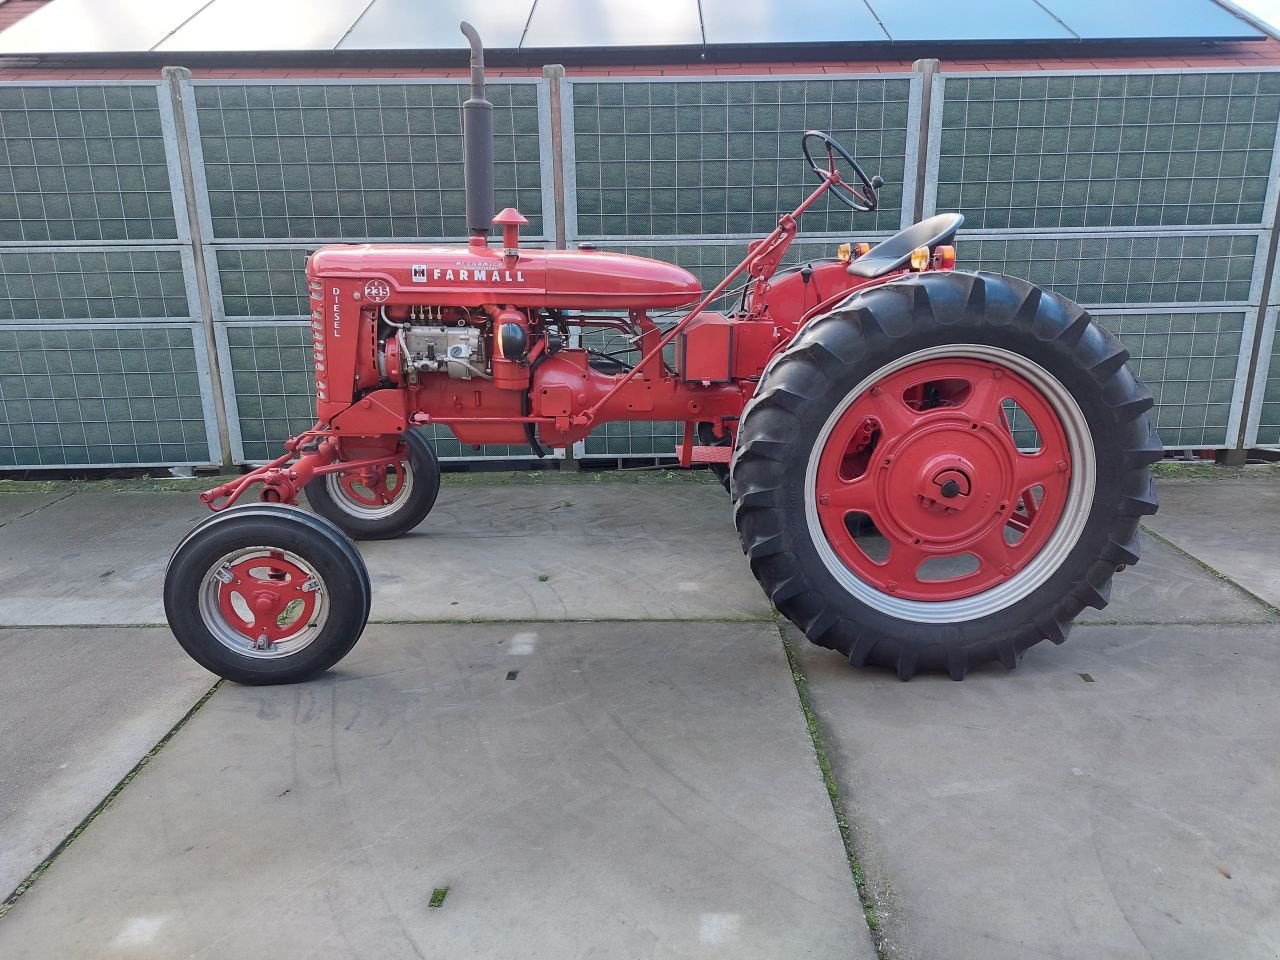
[(927, 69), (178, 82), (554, 75), (1254, 387)]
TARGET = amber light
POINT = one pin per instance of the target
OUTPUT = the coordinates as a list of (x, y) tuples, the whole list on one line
[(920, 258), (861, 249), (944, 258), (844, 252)]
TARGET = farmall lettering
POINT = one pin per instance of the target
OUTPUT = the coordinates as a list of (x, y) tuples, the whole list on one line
[(854, 407), (478, 273)]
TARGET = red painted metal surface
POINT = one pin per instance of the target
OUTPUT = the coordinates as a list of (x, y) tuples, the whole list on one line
[(367, 397), (928, 456), (474, 276), (274, 603)]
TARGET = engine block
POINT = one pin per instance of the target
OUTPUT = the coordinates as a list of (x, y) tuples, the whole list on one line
[(457, 351)]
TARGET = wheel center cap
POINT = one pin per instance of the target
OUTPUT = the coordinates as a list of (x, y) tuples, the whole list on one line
[(952, 483), (946, 483)]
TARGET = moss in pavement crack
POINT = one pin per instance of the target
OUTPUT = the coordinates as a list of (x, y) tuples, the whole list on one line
[(105, 802), (833, 790)]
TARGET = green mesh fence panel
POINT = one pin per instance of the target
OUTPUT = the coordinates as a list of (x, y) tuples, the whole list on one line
[(263, 283), (1123, 269), (1188, 360), (358, 160), (92, 285), (1269, 415), (723, 157), (100, 397), (83, 163), (273, 377), (1107, 150)]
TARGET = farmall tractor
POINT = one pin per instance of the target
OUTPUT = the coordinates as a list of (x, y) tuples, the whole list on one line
[(929, 468)]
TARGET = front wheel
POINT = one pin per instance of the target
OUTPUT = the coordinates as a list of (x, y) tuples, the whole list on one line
[(944, 471), (380, 503), (266, 594)]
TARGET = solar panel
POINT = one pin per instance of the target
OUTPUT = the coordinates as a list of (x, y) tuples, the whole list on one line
[(107, 26), (412, 25), (95, 26), (968, 20), (824, 21), (1150, 19), (613, 23), (257, 25)]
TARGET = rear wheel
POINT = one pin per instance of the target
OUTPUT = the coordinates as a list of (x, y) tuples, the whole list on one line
[(944, 471), (380, 503), (266, 593)]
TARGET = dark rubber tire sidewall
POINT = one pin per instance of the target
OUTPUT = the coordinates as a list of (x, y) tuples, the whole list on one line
[(426, 487), (324, 547), (837, 352)]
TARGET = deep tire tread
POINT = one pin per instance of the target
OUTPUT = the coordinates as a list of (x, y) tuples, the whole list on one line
[(872, 328)]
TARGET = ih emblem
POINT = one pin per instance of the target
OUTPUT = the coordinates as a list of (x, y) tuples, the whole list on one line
[(419, 273), (377, 291)]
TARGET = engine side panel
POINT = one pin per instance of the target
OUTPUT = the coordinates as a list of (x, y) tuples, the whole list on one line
[(471, 276)]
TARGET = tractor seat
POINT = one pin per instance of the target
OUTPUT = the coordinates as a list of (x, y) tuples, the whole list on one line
[(895, 252)]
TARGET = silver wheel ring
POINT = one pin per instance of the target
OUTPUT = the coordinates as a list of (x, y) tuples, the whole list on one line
[(1051, 556), (231, 638), (340, 496)]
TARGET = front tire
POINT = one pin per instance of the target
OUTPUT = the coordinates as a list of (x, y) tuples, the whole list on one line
[(385, 503), (266, 594), (944, 471)]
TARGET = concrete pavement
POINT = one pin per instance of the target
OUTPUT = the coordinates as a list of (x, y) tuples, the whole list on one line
[(636, 788), (1233, 527), (607, 550), (78, 708), (633, 791)]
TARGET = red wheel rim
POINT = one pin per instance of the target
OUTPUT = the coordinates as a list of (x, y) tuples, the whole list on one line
[(922, 491), (372, 486), (266, 599)]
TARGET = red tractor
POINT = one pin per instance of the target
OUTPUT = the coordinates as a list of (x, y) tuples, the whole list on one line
[(929, 468)]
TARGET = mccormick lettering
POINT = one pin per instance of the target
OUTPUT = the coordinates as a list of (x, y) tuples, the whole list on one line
[(480, 276)]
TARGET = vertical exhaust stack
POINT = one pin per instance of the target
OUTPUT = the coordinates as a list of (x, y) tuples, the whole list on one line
[(477, 137)]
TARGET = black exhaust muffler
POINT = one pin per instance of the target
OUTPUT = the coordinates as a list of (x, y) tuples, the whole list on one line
[(477, 139)]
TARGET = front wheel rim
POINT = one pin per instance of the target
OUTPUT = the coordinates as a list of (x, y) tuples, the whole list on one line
[(263, 602), (374, 493), (921, 453)]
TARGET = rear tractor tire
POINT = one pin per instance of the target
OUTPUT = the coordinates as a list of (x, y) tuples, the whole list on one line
[(385, 504), (266, 594), (944, 471)]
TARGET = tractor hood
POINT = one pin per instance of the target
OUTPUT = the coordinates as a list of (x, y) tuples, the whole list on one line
[(471, 276)]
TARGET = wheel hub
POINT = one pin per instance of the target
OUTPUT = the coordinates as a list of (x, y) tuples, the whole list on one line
[(266, 599), (956, 506)]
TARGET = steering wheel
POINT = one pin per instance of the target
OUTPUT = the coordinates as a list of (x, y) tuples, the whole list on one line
[(859, 198)]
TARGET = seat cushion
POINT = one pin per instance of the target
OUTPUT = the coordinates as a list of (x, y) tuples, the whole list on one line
[(895, 252)]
